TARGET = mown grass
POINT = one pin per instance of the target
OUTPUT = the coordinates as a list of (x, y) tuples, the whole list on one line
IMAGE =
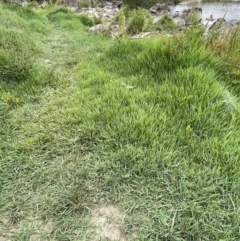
[(151, 126)]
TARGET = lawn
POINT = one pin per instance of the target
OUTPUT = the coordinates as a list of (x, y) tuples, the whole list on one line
[(116, 140)]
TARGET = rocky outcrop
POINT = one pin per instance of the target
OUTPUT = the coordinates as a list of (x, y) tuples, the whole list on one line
[(179, 23), (221, 26), (190, 16), (210, 18), (158, 11), (107, 12), (159, 8), (99, 28)]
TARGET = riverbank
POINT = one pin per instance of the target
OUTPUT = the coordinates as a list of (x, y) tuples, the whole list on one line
[(195, 2), (220, 9)]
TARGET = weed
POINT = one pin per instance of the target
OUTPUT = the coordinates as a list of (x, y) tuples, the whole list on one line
[(133, 21), (139, 21), (225, 45), (166, 23)]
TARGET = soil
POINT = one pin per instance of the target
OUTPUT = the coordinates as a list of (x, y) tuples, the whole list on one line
[(107, 221)]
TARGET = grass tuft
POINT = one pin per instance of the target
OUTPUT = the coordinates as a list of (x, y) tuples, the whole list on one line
[(16, 58)]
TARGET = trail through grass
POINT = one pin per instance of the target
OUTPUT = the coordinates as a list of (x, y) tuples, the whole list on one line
[(149, 129)]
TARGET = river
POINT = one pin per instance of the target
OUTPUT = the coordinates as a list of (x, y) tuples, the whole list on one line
[(230, 10)]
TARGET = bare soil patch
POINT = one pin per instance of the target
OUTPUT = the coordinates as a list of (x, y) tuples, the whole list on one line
[(107, 221)]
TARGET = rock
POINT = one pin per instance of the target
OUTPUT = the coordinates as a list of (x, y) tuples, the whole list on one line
[(91, 12), (179, 22), (176, 14), (211, 18), (72, 9), (44, 5), (153, 11), (114, 31), (158, 8), (24, 4), (107, 12), (157, 19), (99, 28), (221, 26), (191, 15), (119, 4), (141, 35)]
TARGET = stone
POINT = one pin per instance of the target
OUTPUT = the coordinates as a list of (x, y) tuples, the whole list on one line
[(141, 35), (119, 4), (44, 5), (157, 19), (211, 18), (114, 31), (221, 26), (24, 4), (99, 28), (179, 22), (191, 15), (159, 7)]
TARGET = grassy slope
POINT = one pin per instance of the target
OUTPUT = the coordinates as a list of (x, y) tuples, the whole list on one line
[(146, 125)]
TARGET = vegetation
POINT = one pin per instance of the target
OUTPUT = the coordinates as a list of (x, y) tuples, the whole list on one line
[(133, 21), (150, 126), (133, 4), (136, 21), (139, 21), (166, 23)]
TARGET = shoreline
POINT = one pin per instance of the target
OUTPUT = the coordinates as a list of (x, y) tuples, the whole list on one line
[(190, 1)]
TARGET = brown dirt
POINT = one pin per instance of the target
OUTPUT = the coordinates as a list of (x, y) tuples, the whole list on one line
[(107, 221)]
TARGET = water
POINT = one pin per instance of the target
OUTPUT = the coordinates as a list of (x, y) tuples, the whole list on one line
[(230, 10)]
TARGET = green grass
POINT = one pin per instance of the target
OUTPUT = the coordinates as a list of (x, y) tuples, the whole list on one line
[(150, 126)]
